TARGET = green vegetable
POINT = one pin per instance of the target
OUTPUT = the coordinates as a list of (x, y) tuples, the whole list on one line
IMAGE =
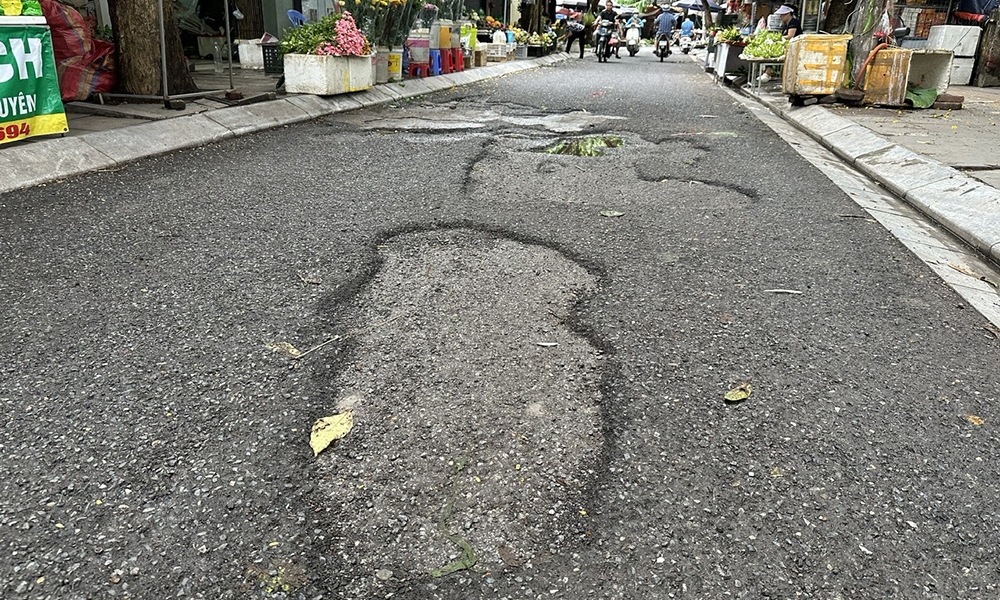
[(731, 35), (766, 44)]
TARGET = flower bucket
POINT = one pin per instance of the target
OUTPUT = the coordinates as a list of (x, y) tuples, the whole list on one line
[(444, 35), (420, 45), (327, 75), (395, 65), (435, 35), (382, 65)]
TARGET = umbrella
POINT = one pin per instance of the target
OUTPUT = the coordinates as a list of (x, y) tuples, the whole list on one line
[(696, 5)]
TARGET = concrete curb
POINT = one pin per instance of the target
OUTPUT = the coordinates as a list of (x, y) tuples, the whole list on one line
[(966, 207), (54, 159)]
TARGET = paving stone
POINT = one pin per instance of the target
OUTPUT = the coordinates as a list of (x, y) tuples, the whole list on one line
[(258, 117), (158, 137), (853, 141), (901, 170), (64, 157), (967, 207)]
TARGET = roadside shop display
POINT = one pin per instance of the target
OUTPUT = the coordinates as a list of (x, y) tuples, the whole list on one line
[(327, 57)]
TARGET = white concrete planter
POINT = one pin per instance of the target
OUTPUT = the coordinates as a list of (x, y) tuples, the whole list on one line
[(251, 55), (327, 75)]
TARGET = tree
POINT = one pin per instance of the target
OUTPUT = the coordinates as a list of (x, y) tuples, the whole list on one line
[(136, 24), (708, 14)]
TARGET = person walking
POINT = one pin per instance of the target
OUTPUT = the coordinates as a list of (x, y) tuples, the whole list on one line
[(575, 28)]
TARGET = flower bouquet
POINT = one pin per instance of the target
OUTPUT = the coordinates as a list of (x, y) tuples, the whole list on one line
[(400, 19), (333, 35)]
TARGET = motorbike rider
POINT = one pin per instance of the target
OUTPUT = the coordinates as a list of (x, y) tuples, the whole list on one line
[(608, 14), (664, 26), (635, 20), (687, 27)]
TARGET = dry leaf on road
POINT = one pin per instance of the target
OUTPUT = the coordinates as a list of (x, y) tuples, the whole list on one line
[(286, 348), (739, 393), (329, 429)]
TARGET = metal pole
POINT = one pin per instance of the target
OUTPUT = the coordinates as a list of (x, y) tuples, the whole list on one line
[(163, 55), (229, 44)]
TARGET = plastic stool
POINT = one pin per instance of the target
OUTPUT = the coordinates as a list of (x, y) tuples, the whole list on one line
[(297, 18), (419, 69), (457, 60), (436, 62), (447, 66)]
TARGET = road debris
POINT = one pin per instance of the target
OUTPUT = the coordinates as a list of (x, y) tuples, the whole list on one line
[(329, 429), (285, 348), (739, 393)]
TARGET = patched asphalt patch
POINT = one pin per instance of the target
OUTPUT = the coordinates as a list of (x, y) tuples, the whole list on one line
[(477, 409)]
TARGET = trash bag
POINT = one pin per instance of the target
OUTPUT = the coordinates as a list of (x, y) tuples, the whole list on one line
[(86, 65), (976, 10)]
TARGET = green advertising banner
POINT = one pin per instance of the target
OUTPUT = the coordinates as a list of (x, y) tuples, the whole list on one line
[(30, 103)]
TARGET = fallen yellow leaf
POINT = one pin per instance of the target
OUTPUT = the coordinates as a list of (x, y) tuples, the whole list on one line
[(739, 393), (285, 347), (329, 429), (977, 421)]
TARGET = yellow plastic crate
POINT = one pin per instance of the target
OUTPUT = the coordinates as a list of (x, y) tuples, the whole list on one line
[(886, 77), (815, 64)]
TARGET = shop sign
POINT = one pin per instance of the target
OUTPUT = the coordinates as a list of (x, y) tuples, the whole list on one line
[(30, 103)]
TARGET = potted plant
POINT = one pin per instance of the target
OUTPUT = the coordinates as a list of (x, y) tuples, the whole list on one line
[(327, 57)]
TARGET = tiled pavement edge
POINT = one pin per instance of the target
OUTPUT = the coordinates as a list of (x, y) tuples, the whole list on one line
[(965, 206), (58, 158)]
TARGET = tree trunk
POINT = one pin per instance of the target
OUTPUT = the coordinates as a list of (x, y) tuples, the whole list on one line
[(709, 17), (988, 65), (863, 42), (136, 24), (837, 17)]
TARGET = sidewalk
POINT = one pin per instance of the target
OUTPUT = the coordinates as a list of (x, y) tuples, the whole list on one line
[(103, 137), (944, 163)]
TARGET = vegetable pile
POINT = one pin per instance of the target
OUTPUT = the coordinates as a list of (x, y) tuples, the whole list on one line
[(766, 44)]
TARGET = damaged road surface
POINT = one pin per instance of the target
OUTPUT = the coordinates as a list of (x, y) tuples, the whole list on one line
[(537, 391)]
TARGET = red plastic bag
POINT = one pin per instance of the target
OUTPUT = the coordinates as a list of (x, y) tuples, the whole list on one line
[(86, 65)]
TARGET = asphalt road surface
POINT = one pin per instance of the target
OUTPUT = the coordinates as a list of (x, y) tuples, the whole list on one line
[(535, 348)]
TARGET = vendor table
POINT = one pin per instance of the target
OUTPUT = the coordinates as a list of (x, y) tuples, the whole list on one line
[(757, 68), (30, 102)]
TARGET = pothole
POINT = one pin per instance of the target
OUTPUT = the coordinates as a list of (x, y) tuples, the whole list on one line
[(594, 145), (434, 118), (476, 408)]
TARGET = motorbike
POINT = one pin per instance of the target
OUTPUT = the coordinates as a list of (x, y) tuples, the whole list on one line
[(662, 48), (633, 38), (615, 44), (685, 43), (604, 34)]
